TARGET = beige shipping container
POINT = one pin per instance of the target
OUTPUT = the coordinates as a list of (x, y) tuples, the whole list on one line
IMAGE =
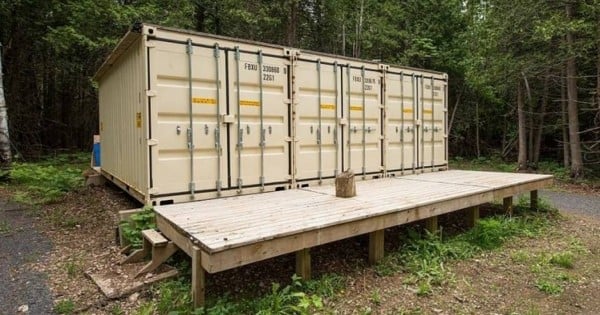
[(188, 116)]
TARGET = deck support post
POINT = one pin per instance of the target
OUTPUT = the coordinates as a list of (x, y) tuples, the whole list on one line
[(533, 199), (198, 278), (507, 204), (431, 224), (303, 263), (472, 216), (376, 251)]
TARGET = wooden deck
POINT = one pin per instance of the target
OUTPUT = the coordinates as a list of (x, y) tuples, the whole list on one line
[(225, 233)]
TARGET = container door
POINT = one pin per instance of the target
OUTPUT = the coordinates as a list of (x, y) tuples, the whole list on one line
[(318, 113), (400, 127), (363, 112), (259, 108), (439, 122), (432, 122), (186, 109)]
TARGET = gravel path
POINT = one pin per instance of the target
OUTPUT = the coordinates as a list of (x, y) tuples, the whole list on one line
[(573, 202), (21, 244)]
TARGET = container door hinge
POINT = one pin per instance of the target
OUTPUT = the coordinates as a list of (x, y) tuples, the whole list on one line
[(151, 93), (152, 142)]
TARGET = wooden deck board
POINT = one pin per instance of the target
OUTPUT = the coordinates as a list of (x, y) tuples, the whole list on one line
[(221, 224)]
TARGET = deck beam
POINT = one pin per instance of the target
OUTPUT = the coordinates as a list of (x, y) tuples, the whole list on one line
[(376, 248)]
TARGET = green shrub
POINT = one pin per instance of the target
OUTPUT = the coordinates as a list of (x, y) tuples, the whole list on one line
[(42, 184), (132, 229), (549, 287)]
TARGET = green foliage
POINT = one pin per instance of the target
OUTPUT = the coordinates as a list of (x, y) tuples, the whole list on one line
[(46, 181), (72, 268), (563, 259), (299, 297), (64, 307), (425, 257), (4, 227), (375, 297), (549, 287), (116, 310), (132, 228)]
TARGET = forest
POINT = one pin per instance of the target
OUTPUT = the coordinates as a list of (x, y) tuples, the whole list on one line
[(524, 75)]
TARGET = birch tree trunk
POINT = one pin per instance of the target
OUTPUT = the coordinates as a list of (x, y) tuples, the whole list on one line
[(5, 154), (573, 111)]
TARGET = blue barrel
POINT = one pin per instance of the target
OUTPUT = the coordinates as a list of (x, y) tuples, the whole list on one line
[(96, 154)]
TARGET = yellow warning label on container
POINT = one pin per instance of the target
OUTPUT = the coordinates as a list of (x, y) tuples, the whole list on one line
[(138, 120), (204, 100), (428, 111), (249, 103), (327, 106), (408, 110), (356, 107)]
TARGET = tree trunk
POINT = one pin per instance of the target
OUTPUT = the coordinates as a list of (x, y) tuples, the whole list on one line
[(477, 129), (5, 154), (598, 70), (573, 111), (292, 23), (522, 159), (529, 118), (540, 125), (564, 122)]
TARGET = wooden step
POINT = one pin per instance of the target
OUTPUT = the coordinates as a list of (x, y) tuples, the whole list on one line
[(155, 238)]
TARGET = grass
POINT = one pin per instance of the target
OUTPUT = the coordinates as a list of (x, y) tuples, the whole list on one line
[(116, 310), (549, 287), (4, 227), (300, 297), (72, 268), (64, 307), (375, 297), (548, 269), (563, 259), (424, 258), (48, 180)]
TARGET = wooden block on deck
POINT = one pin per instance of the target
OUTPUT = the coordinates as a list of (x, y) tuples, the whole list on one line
[(345, 186)]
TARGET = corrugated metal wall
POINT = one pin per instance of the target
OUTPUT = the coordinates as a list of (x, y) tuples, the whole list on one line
[(123, 119), (187, 117)]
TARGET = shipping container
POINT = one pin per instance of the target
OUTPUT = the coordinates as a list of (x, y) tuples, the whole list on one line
[(189, 116)]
